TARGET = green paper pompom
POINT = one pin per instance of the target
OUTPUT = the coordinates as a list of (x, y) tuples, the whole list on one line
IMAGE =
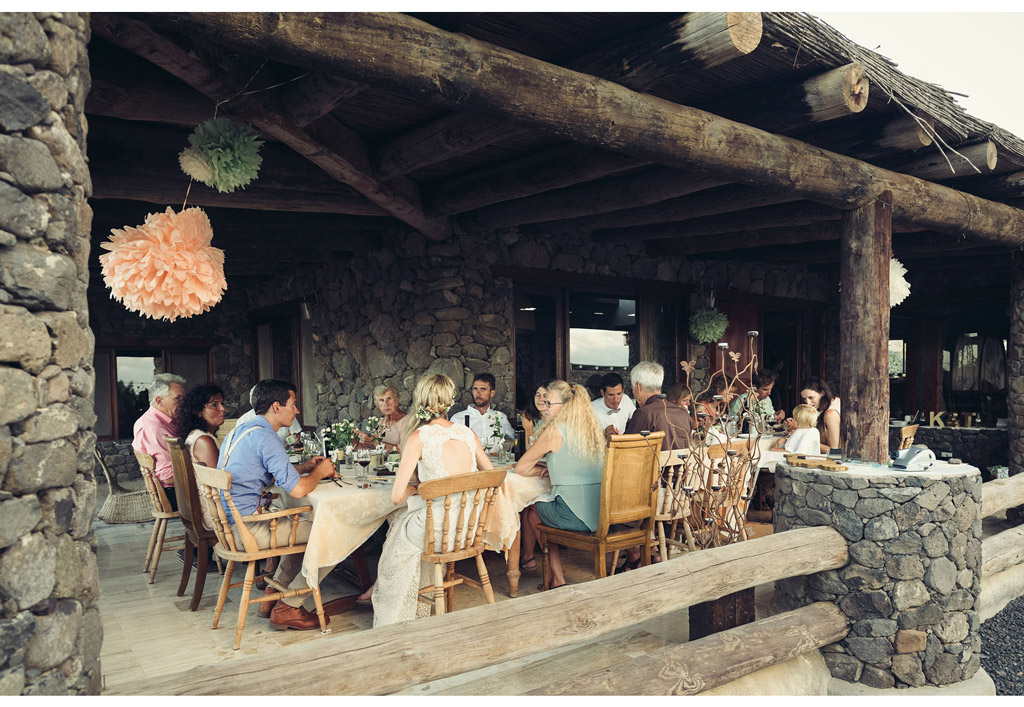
[(708, 325), (230, 149)]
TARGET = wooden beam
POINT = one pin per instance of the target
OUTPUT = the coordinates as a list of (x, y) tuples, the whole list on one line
[(557, 167), (645, 193), (977, 159), (762, 238), (871, 140), (697, 666), (1001, 552), (997, 186), (325, 142), (494, 80), (865, 249), (165, 102), (528, 625), (316, 95), (690, 42), (836, 93), (779, 215), (1001, 494)]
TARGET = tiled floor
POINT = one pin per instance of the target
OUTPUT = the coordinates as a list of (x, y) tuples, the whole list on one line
[(149, 630)]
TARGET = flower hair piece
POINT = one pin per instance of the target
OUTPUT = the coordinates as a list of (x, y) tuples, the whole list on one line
[(432, 411)]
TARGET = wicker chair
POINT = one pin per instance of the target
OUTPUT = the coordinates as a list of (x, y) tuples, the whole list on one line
[(122, 505), (465, 539), (162, 515), (629, 493), (214, 482)]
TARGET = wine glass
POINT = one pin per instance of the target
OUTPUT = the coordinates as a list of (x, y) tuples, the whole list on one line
[(363, 460)]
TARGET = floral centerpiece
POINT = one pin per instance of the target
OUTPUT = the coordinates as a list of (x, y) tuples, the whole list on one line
[(339, 435), (496, 431), (375, 430)]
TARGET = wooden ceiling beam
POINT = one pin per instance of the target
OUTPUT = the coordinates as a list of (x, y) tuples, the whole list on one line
[(325, 142), (646, 192), (973, 160), (410, 55), (820, 98), (872, 140), (122, 97), (691, 42), (315, 95), (557, 167), (997, 186), (781, 215)]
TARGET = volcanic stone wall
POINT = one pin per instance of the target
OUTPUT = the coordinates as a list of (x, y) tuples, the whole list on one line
[(50, 630), (912, 583)]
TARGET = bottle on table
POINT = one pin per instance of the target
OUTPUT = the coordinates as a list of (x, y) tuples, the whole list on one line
[(520, 445)]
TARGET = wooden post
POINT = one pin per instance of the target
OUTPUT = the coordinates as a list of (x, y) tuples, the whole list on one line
[(865, 249)]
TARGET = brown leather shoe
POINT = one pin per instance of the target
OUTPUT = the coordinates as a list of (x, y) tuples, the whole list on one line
[(284, 616), (264, 609)]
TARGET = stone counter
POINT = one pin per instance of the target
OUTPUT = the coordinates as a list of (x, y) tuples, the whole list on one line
[(911, 585), (979, 446)]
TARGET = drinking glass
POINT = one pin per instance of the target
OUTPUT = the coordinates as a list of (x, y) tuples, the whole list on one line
[(507, 445), (363, 460)]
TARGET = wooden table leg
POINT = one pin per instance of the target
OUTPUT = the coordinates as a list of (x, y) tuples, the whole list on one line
[(513, 566)]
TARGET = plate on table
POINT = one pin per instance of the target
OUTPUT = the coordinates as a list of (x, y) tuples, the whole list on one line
[(383, 471)]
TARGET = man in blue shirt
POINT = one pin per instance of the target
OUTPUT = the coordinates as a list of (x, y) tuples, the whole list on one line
[(256, 457)]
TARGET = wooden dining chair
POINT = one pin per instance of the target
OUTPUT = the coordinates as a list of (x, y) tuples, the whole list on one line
[(162, 515), (677, 480), (629, 494), (907, 434), (212, 484), (444, 546), (198, 537)]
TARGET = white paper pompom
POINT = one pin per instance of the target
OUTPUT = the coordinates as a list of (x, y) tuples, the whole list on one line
[(899, 288)]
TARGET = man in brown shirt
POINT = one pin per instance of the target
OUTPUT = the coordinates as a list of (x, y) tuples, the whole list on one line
[(654, 412)]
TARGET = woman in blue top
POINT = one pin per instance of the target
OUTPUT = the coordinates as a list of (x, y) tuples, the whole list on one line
[(575, 446)]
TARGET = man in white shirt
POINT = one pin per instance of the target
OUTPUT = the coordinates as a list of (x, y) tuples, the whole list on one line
[(481, 418), (613, 408)]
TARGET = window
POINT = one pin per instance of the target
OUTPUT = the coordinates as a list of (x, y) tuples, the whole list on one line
[(602, 337), (283, 340), (124, 370), (897, 358)]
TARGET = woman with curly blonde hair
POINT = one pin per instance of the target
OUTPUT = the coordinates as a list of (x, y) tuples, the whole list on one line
[(575, 446), (437, 448)]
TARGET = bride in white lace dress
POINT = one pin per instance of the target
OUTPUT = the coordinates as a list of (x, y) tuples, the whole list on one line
[(438, 448)]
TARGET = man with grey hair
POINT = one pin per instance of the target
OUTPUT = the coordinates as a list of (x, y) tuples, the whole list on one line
[(165, 394), (654, 412)]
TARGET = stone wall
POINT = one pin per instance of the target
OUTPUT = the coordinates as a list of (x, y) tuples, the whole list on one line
[(120, 459), (981, 446), (391, 315), (912, 583), (1015, 370), (50, 630)]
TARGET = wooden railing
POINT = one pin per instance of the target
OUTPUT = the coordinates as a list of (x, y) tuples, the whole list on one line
[(1005, 550), (388, 659)]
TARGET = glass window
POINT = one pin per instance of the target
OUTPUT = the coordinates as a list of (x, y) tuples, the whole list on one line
[(134, 372), (190, 366), (897, 358), (602, 338)]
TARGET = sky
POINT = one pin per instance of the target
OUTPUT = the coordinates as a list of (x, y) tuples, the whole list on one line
[(975, 53)]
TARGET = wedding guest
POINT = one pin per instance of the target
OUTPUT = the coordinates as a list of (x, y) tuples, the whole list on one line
[(165, 394), (435, 448), (294, 428), (681, 395), (706, 403), (816, 393), (199, 416), (535, 413), (613, 408), (575, 446), (803, 435), (761, 404), (386, 397), (482, 418), (655, 412)]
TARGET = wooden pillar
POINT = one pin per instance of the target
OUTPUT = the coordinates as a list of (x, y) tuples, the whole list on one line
[(865, 249), (932, 366)]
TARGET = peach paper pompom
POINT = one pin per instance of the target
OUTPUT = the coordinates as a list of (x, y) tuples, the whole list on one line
[(165, 268)]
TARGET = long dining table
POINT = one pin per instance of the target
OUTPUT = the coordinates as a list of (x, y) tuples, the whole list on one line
[(345, 515)]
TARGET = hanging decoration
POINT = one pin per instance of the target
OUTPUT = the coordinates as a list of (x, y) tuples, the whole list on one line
[(708, 325), (222, 154), (899, 288), (165, 268)]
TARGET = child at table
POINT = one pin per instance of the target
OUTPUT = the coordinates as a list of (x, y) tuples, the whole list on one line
[(803, 435)]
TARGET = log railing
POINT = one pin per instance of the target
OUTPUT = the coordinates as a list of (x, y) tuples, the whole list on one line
[(1005, 550), (391, 658)]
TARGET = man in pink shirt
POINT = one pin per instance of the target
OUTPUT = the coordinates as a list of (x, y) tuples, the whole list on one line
[(165, 393)]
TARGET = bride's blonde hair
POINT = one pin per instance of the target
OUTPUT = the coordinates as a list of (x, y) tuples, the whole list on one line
[(583, 431), (431, 398)]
